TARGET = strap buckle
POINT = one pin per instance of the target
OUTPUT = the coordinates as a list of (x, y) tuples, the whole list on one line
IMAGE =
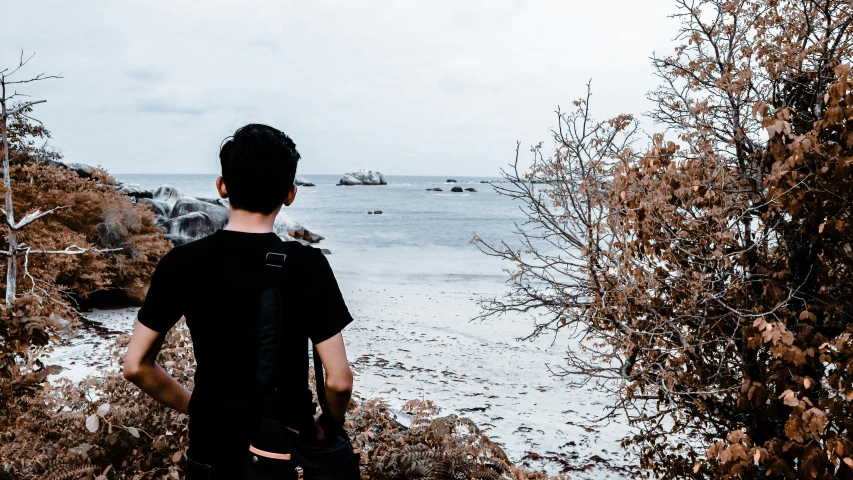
[(274, 259)]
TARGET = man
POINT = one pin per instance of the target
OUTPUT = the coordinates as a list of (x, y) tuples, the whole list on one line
[(216, 283)]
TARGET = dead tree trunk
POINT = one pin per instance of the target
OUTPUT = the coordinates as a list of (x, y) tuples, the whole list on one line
[(12, 264)]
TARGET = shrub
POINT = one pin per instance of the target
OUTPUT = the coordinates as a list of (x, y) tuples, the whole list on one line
[(708, 281)]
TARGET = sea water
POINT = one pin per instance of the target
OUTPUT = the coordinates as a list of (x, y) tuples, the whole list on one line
[(421, 236)]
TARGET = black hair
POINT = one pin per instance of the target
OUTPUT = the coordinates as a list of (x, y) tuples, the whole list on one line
[(258, 167)]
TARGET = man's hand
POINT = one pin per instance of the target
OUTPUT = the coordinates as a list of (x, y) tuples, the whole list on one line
[(321, 434), (141, 368)]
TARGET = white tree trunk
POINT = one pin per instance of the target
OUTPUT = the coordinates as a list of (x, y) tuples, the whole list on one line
[(12, 263)]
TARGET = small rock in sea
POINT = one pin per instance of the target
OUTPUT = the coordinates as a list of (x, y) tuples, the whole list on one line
[(470, 189), (363, 177), (450, 180), (485, 181), (301, 182), (378, 212), (456, 189), (434, 190), (370, 213), (325, 251)]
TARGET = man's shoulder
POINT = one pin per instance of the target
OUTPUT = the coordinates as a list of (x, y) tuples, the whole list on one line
[(298, 250), (192, 249)]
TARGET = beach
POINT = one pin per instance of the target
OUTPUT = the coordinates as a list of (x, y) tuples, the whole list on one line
[(412, 281)]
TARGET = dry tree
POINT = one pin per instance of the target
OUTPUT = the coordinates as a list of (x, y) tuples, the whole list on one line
[(15, 250), (707, 277)]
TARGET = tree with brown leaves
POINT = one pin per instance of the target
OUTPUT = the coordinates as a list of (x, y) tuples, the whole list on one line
[(81, 237), (707, 278)]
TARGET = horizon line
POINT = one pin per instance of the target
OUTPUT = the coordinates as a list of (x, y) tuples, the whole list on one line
[(309, 174)]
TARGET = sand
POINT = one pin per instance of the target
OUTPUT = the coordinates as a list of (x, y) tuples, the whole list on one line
[(416, 341)]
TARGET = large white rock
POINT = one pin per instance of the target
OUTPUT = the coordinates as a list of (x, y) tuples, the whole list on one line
[(363, 177), (288, 229), (215, 210)]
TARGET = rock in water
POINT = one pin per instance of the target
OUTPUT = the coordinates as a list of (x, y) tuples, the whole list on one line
[(301, 182), (456, 189), (286, 227), (470, 189), (450, 180), (363, 177), (134, 190), (192, 226), (215, 210), (434, 190), (166, 193)]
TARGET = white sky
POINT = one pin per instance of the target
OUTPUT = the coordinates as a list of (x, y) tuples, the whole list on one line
[(404, 87)]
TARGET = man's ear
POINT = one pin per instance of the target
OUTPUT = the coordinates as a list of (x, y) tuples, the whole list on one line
[(220, 187), (291, 195)]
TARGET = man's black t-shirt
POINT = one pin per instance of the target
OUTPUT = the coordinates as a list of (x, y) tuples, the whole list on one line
[(215, 283)]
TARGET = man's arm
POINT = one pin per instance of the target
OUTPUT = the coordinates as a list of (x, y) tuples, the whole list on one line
[(338, 376), (141, 368)]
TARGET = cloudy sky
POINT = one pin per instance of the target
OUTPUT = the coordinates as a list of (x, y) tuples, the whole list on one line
[(434, 87)]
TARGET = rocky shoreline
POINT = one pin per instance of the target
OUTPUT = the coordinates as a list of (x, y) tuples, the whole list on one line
[(185, 219)]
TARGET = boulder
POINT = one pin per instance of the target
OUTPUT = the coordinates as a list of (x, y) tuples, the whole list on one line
[(216, 210), (191, 226), (176, 239), (301, 182), (85, 171), (456, 189), (450, 180), (434, 190), (377, 212), (470, 189), (161, 209), (363, 177), (81, 169), (166, 193), (134, 190), (286, 227)]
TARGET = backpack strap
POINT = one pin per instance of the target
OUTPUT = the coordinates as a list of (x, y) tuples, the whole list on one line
[(270, 328), (319, 379), (270, 332)]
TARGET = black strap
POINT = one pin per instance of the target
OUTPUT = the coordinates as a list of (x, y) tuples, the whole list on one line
[(270, 332), (319, 379), (270, 328)]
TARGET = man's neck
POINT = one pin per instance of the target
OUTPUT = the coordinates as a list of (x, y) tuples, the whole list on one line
[(250, 222)]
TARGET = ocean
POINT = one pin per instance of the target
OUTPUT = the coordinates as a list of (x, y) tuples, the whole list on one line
[(420, 237)]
